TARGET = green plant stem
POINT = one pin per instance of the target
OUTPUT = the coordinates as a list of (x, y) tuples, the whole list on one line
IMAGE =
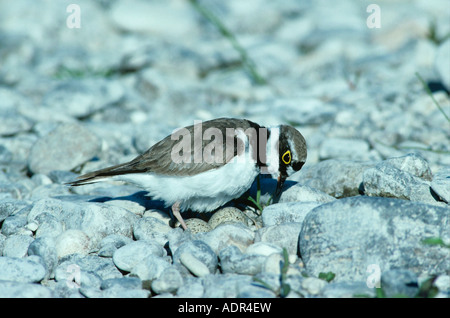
[(427, 89), (246, 61)]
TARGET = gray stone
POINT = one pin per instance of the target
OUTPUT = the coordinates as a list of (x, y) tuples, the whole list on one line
[(111, 243), (150, 268), (381, 231), (338, 178), (72, 268), (128, 256), (150, 228), (413, 164), (398, 282), (48, 225), (95, 219), (192, 288), (13, 224), (228, 234), (441, 184), (225, 286), (387, 181), (282, 235), (80, 98), (24, 270), (60, 151), (281, 213), (17, 245), (194, 265), (168, 282), (233, 261), (303, 193), (347, 290), (9, 206), (24, 290), (202, 251), (263, 248), (122, 283), (44, 247)]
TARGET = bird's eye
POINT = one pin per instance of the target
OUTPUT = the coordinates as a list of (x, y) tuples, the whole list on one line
[(286, 157)]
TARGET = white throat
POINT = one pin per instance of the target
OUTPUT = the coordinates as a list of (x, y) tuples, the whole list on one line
[(272, 153)]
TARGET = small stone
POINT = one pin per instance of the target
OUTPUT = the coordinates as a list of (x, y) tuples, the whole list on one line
[(25, 270), (10, 289), (398, 282), (194, 265), (168, 282), (303, 193), (111, 243), (201, 251), (71, 242), (281, 213), (313, 285), (45, 247), (347, 290), (60, 151), (122, 283), (441, 184), (196, 225), (233, 261), (17, 245), (150, 268), (228, 234), (228, 214), (149, 228), (263, 248), (280, 235), (128, 256)]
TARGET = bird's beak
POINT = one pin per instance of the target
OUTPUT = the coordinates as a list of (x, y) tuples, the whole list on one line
[(280, 183)]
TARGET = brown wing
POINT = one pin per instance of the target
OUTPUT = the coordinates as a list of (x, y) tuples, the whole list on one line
[(187, 151)]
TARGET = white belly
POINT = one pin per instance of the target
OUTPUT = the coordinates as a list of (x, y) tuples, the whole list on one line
[(204, 192)]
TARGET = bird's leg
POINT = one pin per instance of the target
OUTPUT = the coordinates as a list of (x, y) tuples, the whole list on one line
[(176, 213)]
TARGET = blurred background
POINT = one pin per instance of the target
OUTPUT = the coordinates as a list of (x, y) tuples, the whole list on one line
[(347, 74)]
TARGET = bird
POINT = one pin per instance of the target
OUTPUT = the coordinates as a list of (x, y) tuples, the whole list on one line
[(203, 166)]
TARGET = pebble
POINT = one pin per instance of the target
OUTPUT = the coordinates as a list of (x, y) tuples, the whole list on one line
[(441, 184), (281, 213), (194, 265), (10, 289), (55, 150), (128, 256), (23, 270), (379, 228), (17, 245), (150, 268), (201, 250), (232, 260), (168, 282), (399, 283)]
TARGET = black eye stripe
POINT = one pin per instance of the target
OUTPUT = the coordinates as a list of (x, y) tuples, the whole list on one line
[(297, 165)]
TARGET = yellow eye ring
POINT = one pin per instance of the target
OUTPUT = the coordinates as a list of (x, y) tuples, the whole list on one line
[(288, 159)]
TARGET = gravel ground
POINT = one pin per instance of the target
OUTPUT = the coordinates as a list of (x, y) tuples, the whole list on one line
[(87, 86)]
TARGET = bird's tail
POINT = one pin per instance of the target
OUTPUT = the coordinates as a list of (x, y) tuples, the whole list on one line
[(99, 175)]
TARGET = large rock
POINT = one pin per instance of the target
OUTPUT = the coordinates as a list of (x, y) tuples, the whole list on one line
[(348, 235), (64, 148), (338, 178)]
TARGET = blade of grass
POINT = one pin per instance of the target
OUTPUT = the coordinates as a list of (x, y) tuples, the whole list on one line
[(246, 61), (427, 89)]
